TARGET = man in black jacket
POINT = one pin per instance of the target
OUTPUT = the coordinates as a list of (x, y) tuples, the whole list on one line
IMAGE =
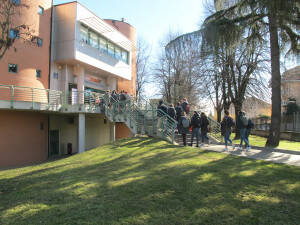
[(195, 123)]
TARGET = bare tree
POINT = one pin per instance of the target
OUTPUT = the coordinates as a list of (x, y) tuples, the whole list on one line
[(142, 66), (10, 27)]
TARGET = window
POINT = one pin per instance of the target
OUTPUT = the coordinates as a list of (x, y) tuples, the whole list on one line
[(38, 73), (125, 56), (12, 68), (93, 40), (17, 2), (40, 10), (84, 34), (118, 54), (55, 75), (14, 34), (111, 49), (39, 42), (103, 44)]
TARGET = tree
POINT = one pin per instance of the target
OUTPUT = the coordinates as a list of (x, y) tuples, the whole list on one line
[(10, 28), (142, 66), (279, 19)]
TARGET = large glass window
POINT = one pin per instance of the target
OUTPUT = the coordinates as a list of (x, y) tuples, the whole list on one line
[(94, 40), (84, 34), (103, 44), (125, 56), (111, 49), (118, 53)]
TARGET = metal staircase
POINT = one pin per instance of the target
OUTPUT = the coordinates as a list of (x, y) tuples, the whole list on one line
[(140, 116)]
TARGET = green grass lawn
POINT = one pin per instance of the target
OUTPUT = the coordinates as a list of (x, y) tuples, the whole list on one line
[(148, 181), (261, 141)]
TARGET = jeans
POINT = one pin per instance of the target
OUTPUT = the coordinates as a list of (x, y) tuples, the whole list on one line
[(227, 138), (195, 132), (244, 138), (204, 136)]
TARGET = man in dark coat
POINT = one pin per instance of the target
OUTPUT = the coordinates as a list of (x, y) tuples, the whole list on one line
[(195, 123), (204, 128), (183, 127), (178, 110)]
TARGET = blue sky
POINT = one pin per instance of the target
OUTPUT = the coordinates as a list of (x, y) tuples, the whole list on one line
[(152, 19)]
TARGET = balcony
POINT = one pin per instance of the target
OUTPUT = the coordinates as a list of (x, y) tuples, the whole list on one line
[(36, 99)]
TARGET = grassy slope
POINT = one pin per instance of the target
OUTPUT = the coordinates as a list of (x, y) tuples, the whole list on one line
[(261, 142), (146, 181)]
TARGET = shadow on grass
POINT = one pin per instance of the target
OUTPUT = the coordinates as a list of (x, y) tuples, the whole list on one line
[(151, 182)]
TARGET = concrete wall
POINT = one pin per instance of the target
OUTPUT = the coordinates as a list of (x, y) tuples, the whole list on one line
[(63, 35), (96, 131), (24, 138), (122, 131)]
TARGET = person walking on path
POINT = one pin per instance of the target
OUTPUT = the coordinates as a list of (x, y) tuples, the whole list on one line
[(226, 125), (204, 128), (195, 123), (242, 123), (183, 127), (178, 110)]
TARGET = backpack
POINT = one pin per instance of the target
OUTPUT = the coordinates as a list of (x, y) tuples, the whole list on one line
[(250, 124), (185, 122), (244, 121), (198, 121)]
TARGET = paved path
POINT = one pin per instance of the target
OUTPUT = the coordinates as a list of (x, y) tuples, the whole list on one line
[(263, 154)]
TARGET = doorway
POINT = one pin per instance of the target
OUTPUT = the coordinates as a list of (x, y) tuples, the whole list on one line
[(54, 143)]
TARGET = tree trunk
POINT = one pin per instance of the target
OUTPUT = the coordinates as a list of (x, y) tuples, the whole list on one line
[(237, 109), (274, 133)]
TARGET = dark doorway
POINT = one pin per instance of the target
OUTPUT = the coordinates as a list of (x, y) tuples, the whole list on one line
[(54, 143)]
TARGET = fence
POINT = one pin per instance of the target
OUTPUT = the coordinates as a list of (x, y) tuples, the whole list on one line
[(288, 123)]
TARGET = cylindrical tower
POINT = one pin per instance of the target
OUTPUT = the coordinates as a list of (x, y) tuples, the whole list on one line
[(24, 134)]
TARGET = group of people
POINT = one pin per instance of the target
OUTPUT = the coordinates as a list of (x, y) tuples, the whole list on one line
[(198, 123), (242, 123), (114, 96)]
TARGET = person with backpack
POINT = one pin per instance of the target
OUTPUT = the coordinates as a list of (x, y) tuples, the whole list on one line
[(204, 128), (185, 106), (171, 111), (183, 127), (195, 123), (178, 110), (248, 131), (226, 125), (161, 110), (242, 123)]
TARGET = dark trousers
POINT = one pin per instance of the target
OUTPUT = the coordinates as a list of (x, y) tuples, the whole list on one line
[(204, 136), (195, 132), (184, 139)]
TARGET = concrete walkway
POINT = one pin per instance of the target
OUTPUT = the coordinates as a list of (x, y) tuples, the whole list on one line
[(283, 156)]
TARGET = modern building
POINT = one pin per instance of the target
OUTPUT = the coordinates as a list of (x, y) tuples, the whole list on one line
[(290, 87), (43, 86)]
